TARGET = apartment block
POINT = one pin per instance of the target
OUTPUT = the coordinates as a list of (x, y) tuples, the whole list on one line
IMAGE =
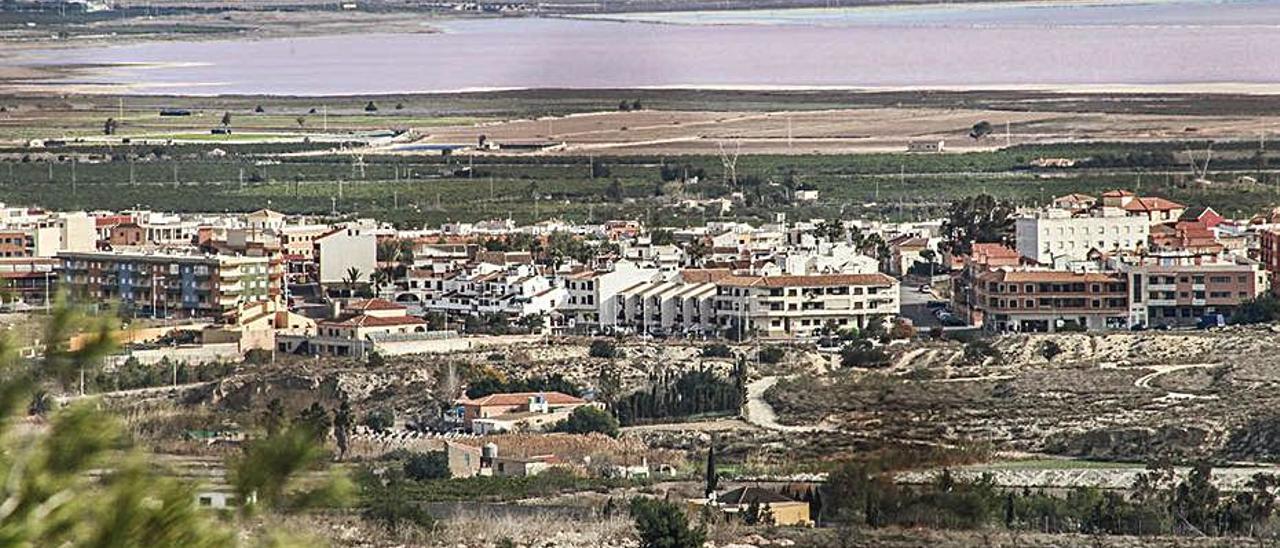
[(781, 307), (1055, 236), (164, 284), (1177, 291), (1045, 301)]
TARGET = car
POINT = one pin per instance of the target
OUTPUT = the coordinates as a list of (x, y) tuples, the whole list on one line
[(925, 288), (935, 304)]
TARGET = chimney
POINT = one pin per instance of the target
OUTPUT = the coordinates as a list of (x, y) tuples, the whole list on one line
[(335, 309)]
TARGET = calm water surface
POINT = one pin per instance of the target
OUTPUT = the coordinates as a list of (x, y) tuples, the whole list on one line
[(1150, 43)]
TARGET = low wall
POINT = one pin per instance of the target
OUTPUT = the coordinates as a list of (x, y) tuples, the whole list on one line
[(190, 354)]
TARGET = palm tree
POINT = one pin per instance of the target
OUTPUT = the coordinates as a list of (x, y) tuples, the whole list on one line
[(697, 250), (352, 278)]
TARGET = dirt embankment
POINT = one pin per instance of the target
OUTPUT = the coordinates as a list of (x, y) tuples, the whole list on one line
[(1130, 396)]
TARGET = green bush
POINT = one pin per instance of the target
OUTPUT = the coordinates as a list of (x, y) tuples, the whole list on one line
[(601, 348), (663, 524), (380, 419), (717, 350), (589, 419), (855, 355), (427, 466), (772, 354)]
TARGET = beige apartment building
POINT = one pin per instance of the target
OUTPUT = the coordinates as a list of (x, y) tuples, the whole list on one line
[(784, 307)]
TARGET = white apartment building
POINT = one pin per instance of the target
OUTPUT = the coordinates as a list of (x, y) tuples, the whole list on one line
[(667, 308), (343, 249), (517, 290), (781, 307), (591, 302), (1055, 236)]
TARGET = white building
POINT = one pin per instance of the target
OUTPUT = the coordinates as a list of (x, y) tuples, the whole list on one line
[(591, 303), (343, 249), (801, 306), (1055, 236)]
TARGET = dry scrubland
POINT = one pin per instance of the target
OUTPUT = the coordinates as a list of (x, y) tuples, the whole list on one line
[(859, 130), (1128, 396)]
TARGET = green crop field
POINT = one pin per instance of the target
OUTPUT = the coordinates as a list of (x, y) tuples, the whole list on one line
[(413, 190)]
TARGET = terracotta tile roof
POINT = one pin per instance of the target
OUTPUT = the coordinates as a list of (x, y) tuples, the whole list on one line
[(1152, 204), (372, 304), (521, 398), (806, 281), (375, 321), (1116, 194), (704, 275), (993, 251)]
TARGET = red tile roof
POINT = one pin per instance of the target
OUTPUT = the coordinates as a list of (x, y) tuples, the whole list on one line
[(704, 275), (1152, 204), (521, 398), (375, 321), (372, 304)]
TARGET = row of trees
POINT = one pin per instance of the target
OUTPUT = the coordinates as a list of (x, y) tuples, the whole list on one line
[(1159, 503), (690, 393)]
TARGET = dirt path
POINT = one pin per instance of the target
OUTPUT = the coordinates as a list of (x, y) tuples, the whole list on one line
[(1145, 380), (760, 413)]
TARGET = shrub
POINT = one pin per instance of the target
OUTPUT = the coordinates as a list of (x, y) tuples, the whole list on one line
[(601, 348), (977, 352), (375, 360), (902, 330), (381, 419), (588, 419), (772, 354), (663, 524), (863, 356), (427, 466), (1049, 350), (717, 350), (257, 356)]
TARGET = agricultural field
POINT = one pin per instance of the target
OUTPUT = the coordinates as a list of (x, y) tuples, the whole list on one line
[(863, 130)]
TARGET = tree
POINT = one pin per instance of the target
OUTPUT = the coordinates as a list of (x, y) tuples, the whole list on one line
[(589, 419), (342, 422), (109, 128), (315, 419), (980, 130), (603, 348), (1049, 350), (663, 524), (226, 119), (266, 475), (711, 476), (273, 419), (717, 350), (371, 107), (624, 105), (381, 419), (427, 466), (301, 120), (831, 231), (697, 250), (976, 219), (635, 105), (771, 354), (351, 279), (976, 352), (613, 192), (662, 237), (389, 503)]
